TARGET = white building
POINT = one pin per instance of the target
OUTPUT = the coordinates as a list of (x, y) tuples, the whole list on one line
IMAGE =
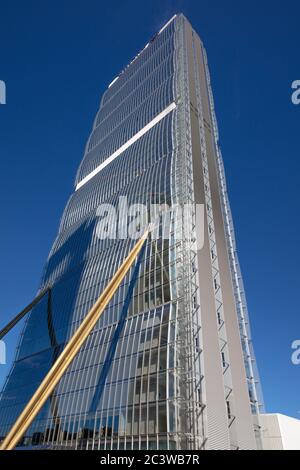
[(280, 432)]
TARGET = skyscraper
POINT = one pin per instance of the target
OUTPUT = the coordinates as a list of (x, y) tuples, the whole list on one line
[(170, 364)]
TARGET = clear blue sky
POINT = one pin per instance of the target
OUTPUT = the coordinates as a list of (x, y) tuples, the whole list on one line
[(57, 57)]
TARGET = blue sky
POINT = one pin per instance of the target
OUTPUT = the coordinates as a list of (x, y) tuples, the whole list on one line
[(58, 57)]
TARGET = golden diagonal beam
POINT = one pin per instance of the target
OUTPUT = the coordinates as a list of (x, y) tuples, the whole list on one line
[(60, 366)]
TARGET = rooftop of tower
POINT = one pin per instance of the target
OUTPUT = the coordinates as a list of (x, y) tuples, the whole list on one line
[(139, 53)]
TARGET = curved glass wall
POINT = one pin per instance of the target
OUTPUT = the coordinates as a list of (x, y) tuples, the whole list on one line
[(119, 391)]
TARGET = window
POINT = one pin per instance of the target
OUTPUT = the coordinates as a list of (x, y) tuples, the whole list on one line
[(162, 418), (223, 359), (152, 388), (228, 410), (162, 389), (152, 420)]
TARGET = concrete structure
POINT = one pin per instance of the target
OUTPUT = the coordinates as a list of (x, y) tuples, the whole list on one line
[(279, 432)]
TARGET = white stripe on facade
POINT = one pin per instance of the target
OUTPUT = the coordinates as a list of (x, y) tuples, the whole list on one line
[(114, 80), (127, 144), (167, 24)]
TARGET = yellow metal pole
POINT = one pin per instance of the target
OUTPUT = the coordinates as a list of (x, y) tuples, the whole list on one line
[(64, 360)]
